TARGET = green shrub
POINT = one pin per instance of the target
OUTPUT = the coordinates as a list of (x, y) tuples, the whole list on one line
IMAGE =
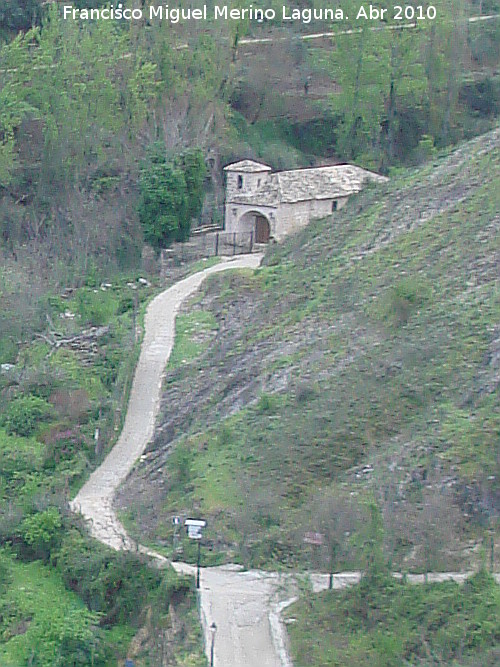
[(408, 295), (4, 572), (42, 532), (95, 306), (8, 350), (126, 303), (18, 456), (72, 639), (42, 624), (225, 435), (184, 459), (110, 582), (171, 195), (267, 403), (425, 149), (24, 415), (387, 622)]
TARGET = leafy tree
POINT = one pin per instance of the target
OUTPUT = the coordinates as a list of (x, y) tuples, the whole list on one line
[(397, 85), (59, 639), (13, 106), (18, 15), (382, 88), (109, 582), (192, 164), (360, 64), (171, 195), (163, 205), (5, 575), (81, 81)]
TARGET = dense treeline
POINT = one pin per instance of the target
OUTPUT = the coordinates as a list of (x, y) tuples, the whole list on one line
[(81, 105), (405, 90)]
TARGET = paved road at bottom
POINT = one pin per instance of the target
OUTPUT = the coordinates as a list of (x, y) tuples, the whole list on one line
[(246, 609), (238, 603)]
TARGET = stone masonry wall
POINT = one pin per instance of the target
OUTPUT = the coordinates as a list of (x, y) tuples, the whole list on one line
[(295, 216)]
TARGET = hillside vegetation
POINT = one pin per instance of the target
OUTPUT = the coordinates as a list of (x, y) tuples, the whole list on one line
[(391, 623), (82, 104), (64, 598), (360, 365), (357, 370)]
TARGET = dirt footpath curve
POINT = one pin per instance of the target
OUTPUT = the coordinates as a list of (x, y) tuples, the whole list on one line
[(238, 602), (95, 498), (246, 606)]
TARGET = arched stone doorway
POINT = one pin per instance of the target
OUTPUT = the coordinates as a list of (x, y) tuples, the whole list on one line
[(258, 223)]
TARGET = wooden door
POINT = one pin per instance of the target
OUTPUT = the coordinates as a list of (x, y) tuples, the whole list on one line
[(262, 229)]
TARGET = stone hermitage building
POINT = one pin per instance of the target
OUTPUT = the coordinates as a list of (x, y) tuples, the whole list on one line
[(271, 205)]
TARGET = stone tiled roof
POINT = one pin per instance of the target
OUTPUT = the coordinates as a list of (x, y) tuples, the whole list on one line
[(287, 187), (248, 167), (267, 194), (323, 182)]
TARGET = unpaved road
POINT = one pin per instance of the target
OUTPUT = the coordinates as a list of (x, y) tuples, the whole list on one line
[(245, 606), (237, 602), (95, 498)]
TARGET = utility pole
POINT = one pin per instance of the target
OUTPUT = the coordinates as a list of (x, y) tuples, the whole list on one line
[(198, 565), (492, 551)]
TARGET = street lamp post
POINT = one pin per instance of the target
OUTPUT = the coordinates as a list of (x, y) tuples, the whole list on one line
[(213, 630)]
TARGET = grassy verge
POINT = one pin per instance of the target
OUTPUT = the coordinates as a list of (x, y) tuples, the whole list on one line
[(190, 334), (391, 623)]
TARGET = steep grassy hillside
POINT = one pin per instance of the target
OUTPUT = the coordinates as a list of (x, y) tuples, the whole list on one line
[(360, 364)]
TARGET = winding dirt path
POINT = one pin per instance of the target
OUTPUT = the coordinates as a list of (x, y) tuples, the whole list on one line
[(238, 602), (95, 499), (246, 606)]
